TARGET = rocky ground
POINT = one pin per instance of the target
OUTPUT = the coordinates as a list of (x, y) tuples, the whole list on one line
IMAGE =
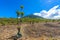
[(37, 31)]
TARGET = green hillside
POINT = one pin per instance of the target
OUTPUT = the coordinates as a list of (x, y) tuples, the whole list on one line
[(5, 21)]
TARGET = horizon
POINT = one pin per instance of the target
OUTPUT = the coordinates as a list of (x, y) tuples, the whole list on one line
[(8, 7)]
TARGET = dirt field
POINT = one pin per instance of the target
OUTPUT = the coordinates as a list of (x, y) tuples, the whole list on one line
[(37, 31)]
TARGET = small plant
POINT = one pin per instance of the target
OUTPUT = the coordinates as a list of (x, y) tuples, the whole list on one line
[(3, 23), (18, 28), (18, 33)]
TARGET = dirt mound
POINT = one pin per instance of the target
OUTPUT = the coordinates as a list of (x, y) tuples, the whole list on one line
[(7, 31), (40, 29)]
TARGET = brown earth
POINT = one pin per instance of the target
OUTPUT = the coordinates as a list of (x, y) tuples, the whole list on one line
[(37, 31)]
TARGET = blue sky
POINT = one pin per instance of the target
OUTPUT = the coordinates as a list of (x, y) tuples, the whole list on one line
[(8, 7)]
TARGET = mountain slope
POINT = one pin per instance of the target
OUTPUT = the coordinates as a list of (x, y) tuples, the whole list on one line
[(33, 16)]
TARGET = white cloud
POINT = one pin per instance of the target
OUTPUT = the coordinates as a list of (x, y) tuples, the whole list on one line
[(53, 13)]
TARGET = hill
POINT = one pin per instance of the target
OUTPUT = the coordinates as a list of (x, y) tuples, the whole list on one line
[(33, 16)]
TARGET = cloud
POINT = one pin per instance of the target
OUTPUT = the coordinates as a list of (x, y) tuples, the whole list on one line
[(53, 13)]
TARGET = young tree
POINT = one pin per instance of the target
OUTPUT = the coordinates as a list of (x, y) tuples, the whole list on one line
[(19, 16)]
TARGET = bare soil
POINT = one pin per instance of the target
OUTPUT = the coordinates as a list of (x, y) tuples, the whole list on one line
[(36, 31)]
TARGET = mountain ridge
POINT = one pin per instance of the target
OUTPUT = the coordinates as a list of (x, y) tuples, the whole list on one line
[(33, 16)]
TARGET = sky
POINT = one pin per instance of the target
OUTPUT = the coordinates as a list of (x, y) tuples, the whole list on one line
[(37, 7)]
